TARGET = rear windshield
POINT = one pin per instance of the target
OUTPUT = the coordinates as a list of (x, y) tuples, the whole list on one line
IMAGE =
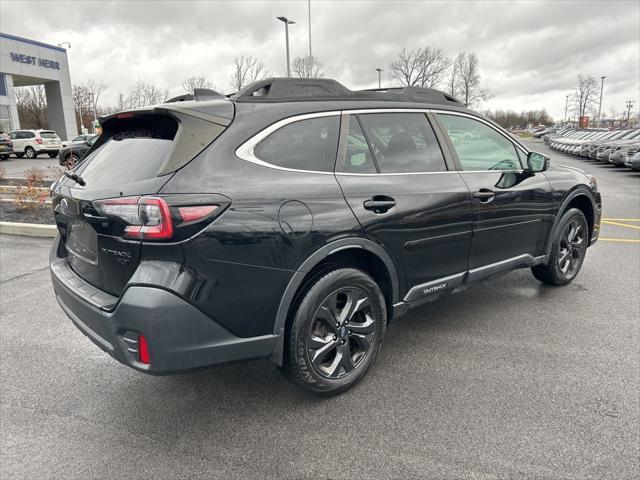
[(48, 135), (130, 150)]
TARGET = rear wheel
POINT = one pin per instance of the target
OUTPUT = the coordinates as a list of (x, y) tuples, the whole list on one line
[(336, 332), (568, 251), (30, 152), (4, 156)]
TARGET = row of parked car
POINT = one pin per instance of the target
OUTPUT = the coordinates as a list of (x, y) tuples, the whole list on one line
[(31, 143), (618, 147)]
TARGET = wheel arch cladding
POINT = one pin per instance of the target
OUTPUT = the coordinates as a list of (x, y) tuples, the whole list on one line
[(359, 253), (583, 203), (579, 198)]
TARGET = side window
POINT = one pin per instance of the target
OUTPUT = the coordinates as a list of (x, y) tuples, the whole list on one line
[(29, 134), (304, 145), (403, 142), (358, 157), (480, 147)]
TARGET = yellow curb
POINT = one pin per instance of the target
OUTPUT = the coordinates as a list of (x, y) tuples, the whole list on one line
[(28, 229)]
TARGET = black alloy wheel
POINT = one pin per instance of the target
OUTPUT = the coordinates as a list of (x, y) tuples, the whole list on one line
[(335, 331), (342, 332), (568, 250)]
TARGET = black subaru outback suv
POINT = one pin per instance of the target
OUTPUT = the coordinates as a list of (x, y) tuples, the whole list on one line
[(294, 220)]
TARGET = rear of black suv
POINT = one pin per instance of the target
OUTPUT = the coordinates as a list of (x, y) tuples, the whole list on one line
[(125, 266)]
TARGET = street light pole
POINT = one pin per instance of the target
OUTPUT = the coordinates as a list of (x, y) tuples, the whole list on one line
[(309, 10), (379, 70), (629, 104), (566, 108), (600, 104), (287, 22)]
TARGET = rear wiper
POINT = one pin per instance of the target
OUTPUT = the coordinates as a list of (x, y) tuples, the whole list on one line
[(75, 177)]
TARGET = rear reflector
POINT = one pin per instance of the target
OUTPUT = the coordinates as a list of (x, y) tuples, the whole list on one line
[(143, 350)]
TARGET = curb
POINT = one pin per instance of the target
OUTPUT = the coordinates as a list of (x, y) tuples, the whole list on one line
[(28, 229)]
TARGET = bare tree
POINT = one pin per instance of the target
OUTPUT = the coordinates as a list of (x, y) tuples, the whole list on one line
[(31, 103), (423, 67), (94, 90), (585, 95), (190, 84), (141, 95), (248, 70), (307, 67), (452, 82), (468, 79)]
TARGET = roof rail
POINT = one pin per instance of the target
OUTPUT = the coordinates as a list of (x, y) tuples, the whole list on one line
[(309, 89)]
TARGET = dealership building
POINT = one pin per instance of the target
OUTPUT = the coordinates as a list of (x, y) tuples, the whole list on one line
[(25, 62)]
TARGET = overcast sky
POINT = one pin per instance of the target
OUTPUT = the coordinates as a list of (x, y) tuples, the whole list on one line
[(530, 52)]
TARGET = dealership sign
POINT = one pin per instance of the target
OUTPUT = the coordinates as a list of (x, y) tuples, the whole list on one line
[(29, 60)]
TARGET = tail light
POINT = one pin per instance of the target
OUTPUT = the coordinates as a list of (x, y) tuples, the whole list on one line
[(39, 141), (158, 218)]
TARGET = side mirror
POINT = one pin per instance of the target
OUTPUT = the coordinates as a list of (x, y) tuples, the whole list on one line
[(537, 162), (88, 142)]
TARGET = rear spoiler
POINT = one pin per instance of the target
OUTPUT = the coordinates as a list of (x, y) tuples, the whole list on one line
[(202, 127)]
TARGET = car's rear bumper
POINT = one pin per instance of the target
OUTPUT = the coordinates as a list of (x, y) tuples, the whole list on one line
[(180, 337)]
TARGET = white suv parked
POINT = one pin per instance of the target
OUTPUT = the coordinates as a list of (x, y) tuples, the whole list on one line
[(31, 143)]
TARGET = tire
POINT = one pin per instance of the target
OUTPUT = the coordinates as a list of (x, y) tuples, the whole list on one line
[(326, 359), (4, 157), (570, 242), (30, 152), (71, 161), (53, 154)]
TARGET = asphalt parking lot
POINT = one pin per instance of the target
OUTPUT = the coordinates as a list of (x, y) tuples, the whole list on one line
[(507, 379), (17, 167)]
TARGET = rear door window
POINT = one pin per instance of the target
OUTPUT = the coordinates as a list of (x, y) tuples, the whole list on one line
[(403, 142), (358, 158), (309, 144)]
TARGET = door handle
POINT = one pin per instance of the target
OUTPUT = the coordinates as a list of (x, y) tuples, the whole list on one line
[(379, 204), (484, 195)]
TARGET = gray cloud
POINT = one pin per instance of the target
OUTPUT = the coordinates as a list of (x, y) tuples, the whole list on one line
[(530, 52)]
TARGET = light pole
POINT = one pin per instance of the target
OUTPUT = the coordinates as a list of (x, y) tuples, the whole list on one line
[(287, 22), (309, 10), (600, 104), (629, 104), (379, 70), (566, 108)]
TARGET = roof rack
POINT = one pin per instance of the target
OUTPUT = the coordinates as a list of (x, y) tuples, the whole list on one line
[(310, 89)]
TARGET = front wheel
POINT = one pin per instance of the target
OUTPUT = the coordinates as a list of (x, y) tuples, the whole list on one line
[(4, 156), (568, 250), (335, 333)]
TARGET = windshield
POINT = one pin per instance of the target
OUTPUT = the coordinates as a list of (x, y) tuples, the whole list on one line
[(48, 135)]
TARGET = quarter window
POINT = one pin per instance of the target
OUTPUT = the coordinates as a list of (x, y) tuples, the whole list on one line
[(310, 144), (403, 142), (480, 147)]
